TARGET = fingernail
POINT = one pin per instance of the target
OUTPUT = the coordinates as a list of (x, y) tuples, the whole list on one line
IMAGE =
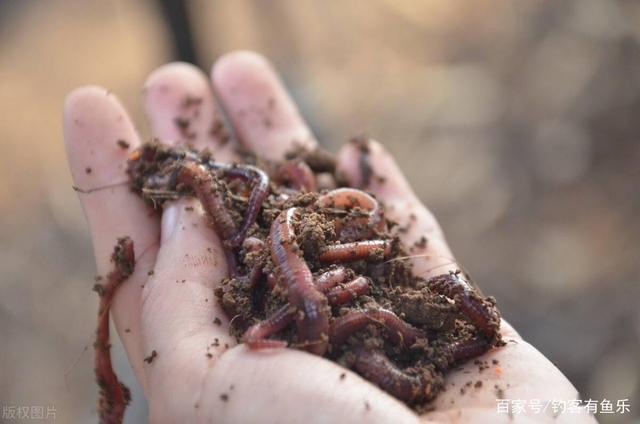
[(170, 219)]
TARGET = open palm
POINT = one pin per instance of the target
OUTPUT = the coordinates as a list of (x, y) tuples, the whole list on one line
[(200, 374)]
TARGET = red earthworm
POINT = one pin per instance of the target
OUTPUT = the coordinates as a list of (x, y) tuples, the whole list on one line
[(312, 318), (255, 273), (467, 349), (318, 159), (256, 198), (114, 396), (480, 312), (298, 174), (357, 250), (376, 367), (349, 291), (272, 280), (323, 282), (348, 198), (150, 153), (251, 245), (256, 335), (332, 278), (207, 190), (398, 331)]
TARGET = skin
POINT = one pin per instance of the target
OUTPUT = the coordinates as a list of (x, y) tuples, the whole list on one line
[(176, 320)]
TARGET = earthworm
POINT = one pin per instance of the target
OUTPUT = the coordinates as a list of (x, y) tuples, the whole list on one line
[(297, 174), (114, 396), (255, 336), (355, 251), (348, 198), (349, 291), (252, 245), (376, 367), (323, 282), (272, 280), (318, 159), (480, 312), (398, 331), (331, 278), (467, 349), (148, 154), (255, 273), (259, 192), (312, 319), (207, 190)]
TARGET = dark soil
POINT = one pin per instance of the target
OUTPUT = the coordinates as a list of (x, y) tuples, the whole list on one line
[(248, 298)]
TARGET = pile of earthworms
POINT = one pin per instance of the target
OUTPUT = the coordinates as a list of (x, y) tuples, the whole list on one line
[(318, 267)]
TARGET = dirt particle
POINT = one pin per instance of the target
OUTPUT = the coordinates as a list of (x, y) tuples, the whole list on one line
[(478, 384), (149, 359), (88, 170), (127, 330), (182, 123), (123, 144), (380, 179), (343, 376), (217, 321), (191, 101), (224, 397), (421, 243)]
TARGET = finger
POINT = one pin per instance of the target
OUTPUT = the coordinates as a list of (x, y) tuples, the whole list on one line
[(367, 164), (182, 321), (99, 136), (181, 109), (263, 115)]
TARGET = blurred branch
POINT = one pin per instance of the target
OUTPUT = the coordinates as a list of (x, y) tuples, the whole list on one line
[(179, 25)]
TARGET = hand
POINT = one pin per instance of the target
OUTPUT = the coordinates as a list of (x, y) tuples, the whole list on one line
[(200, 373)]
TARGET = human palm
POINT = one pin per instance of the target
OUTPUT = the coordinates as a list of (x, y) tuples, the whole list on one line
[(200, 373)]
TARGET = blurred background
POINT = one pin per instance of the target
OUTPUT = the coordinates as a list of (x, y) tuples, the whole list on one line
[(517, 122)]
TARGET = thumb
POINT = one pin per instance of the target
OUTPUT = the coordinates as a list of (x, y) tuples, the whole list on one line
[(181, 320)]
